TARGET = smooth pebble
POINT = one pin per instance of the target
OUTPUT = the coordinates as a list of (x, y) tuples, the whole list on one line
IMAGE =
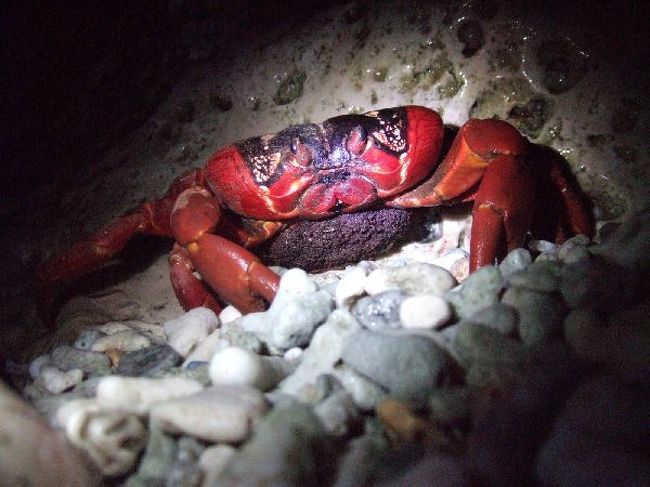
[(479, 290), (414, 278), (139, 394), (147, 361), (217, 414), (379, 311), (238, 366), (285, 450), (409, 366), (424, 311)]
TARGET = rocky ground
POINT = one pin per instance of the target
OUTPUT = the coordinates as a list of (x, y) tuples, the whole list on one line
[(534, 372)]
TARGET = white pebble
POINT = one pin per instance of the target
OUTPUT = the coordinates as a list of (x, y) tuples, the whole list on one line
[(414, 278), (218, 413), (139, 394), (293, 354), (37, 364), (228, 314), (184, 332), (124, 341), (56, 381), (296, 282), (542, 246), (113, 440), (238, 366), (424, 311), (235, 365), (350, 286)]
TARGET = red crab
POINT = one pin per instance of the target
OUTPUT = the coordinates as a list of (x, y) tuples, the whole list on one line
[(311, 171)]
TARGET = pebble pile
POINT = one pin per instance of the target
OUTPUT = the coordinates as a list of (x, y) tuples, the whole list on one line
[(533, 371)]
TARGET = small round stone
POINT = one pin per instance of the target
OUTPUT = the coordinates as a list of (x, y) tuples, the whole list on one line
[(540, 314), (414, 278), (516, 260), (578, 241), (409, 366), (380, 311), (235, 365), (424, 311), (499, 316), (148, 361), (479, 290)]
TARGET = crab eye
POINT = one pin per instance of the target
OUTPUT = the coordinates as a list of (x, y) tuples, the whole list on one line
[(300, 151), (356, 142)]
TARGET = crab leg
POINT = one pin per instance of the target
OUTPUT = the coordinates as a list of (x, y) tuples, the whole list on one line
[(151, 218), (189, 290), (484, 164), (502, 210), (233, 272)]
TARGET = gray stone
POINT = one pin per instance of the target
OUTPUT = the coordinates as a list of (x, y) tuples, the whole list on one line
[(479, 290), (217, 414), (297, 310), (450, 405), (499, 316), (322, 355), (621, 343), (93, 364), (160, 454), (597, 283), (289, 448), (147, 361), (409, 366), (337, 413), (540, 314), (474, 343), (380, 311), (542, 276), (362, 458), (576, 242), (516, 260), (185, 471), (414, 278), (599, 439)]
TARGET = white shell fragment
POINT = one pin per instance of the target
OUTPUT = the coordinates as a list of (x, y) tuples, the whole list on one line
[(219, 413), (184, 332), (111, 439), (139, 394)]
